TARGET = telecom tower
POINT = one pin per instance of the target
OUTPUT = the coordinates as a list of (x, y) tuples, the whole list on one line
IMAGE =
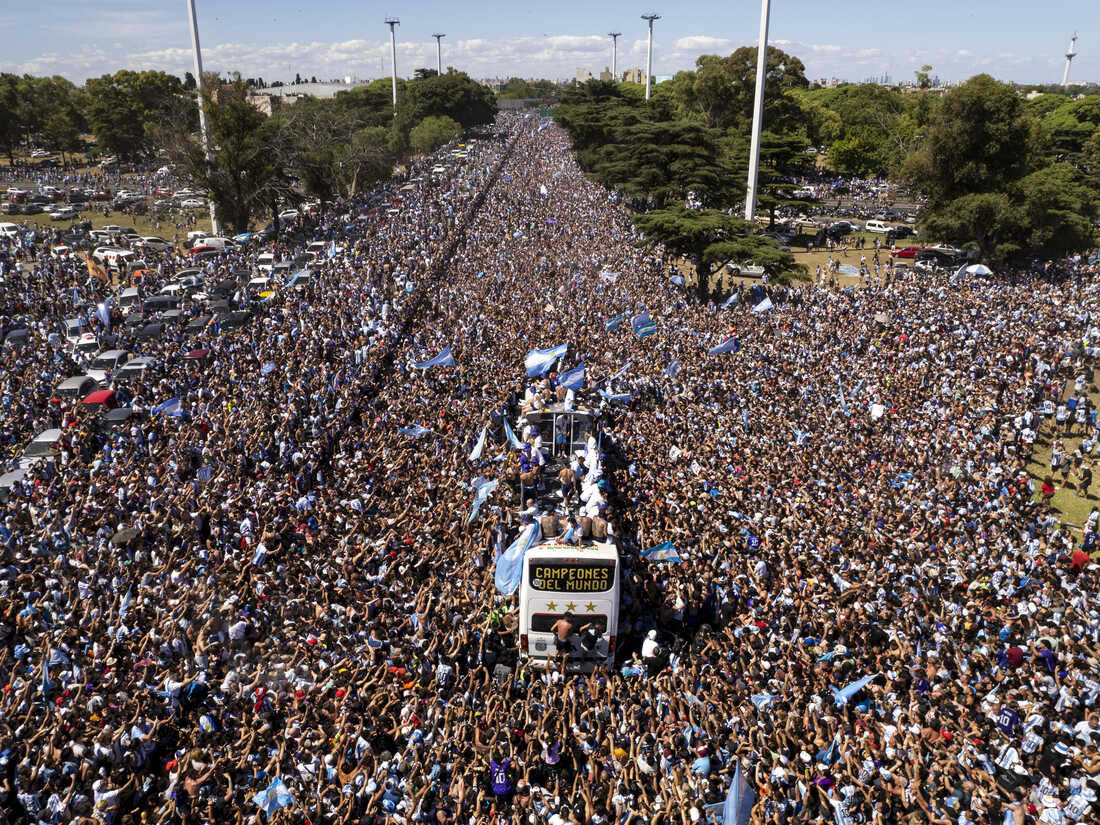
[(1070, 54)]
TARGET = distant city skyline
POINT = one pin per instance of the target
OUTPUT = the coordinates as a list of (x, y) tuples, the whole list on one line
[(275, 39)]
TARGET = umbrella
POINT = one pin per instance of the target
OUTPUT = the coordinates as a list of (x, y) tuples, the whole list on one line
[(979, 269)]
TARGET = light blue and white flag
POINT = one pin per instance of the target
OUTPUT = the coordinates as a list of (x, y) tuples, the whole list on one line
[(103, 313), (733, 299), (662, 552), (677, 279), (763, 700), (731, 344), (764, 305), (614, 323), (171, 408), (539, 361), (509, 569), (574, 379), (124, 607), (274, 797), (841, 697), (739, 800), (616, 398), (479, 448), (482, 490), (515, 442), (673, 369), (640, 320), (267, 368), (444, 359), (415, 431)]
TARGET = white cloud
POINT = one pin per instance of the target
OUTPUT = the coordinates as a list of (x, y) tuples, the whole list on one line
[(557, 56)]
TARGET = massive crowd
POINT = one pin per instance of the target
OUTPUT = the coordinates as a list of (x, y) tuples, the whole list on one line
[(277, 583)]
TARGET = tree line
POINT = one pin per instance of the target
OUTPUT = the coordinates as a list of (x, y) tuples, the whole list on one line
[(319, 147), (1006, 174)]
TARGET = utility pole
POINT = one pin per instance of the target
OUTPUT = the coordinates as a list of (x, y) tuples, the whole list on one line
[(757, 111), (614, 55), (1070, 54), (439, 53), (649, 53), (391, 22), (202, 114)]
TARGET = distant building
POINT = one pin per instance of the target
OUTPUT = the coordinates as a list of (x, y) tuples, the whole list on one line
[(606, 75), (270, 98), (634, 76), (583, 75)]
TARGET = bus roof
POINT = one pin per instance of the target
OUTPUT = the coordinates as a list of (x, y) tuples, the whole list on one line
[(556, 549)]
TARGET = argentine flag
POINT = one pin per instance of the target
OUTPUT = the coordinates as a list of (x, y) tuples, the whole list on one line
[(539, 361), (662, 552)]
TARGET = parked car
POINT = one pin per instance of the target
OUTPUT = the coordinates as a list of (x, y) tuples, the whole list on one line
[(100, 400), (132, 370), (156, 244), (192, 203), (45, 447), (908, 252), (76, 387), (104, 364)]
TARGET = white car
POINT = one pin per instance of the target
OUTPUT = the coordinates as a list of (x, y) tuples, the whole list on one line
[(288, 214), (8, 230), (40, 153), (156, 244), (66, 213), (192, 203)]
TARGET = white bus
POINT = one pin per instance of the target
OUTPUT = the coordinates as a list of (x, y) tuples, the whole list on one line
[(563, 578)]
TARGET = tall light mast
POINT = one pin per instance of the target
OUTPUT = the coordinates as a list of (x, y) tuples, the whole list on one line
[(202, 113), (439, 52), (649, 54), (392, 22), (614, 55), (757, 111)]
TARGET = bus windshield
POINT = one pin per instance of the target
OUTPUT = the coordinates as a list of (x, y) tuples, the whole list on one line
[(571, 576)]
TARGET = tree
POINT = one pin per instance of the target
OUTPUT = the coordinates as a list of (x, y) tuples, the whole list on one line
[(1056, 210), (979, 139), (247, 172), (433, 132), (709, 238), (923, 76), (189, 83), (722, 89), (453, 95), (123, 106)]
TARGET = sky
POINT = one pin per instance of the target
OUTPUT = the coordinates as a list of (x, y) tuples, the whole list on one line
[(1017, 40)]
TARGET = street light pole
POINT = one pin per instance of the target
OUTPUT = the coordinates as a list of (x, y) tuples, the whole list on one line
[(649, 53), (439, 53), (391, 22), (202, 113), (757, 111), (614, 55)]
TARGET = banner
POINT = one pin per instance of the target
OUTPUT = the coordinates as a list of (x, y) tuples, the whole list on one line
[(509, 570), (764, 305), (729, 345), (841, 697), (574, 379), (515, 442), (274, 797), (481, 493), (662, 552), (539, 361), (479, 448), (739, 800), (444, 359), (171, 408), (619, 398), (614, 323)]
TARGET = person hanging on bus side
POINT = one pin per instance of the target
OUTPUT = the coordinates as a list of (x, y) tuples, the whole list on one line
[(563, 630), (590, 634)]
